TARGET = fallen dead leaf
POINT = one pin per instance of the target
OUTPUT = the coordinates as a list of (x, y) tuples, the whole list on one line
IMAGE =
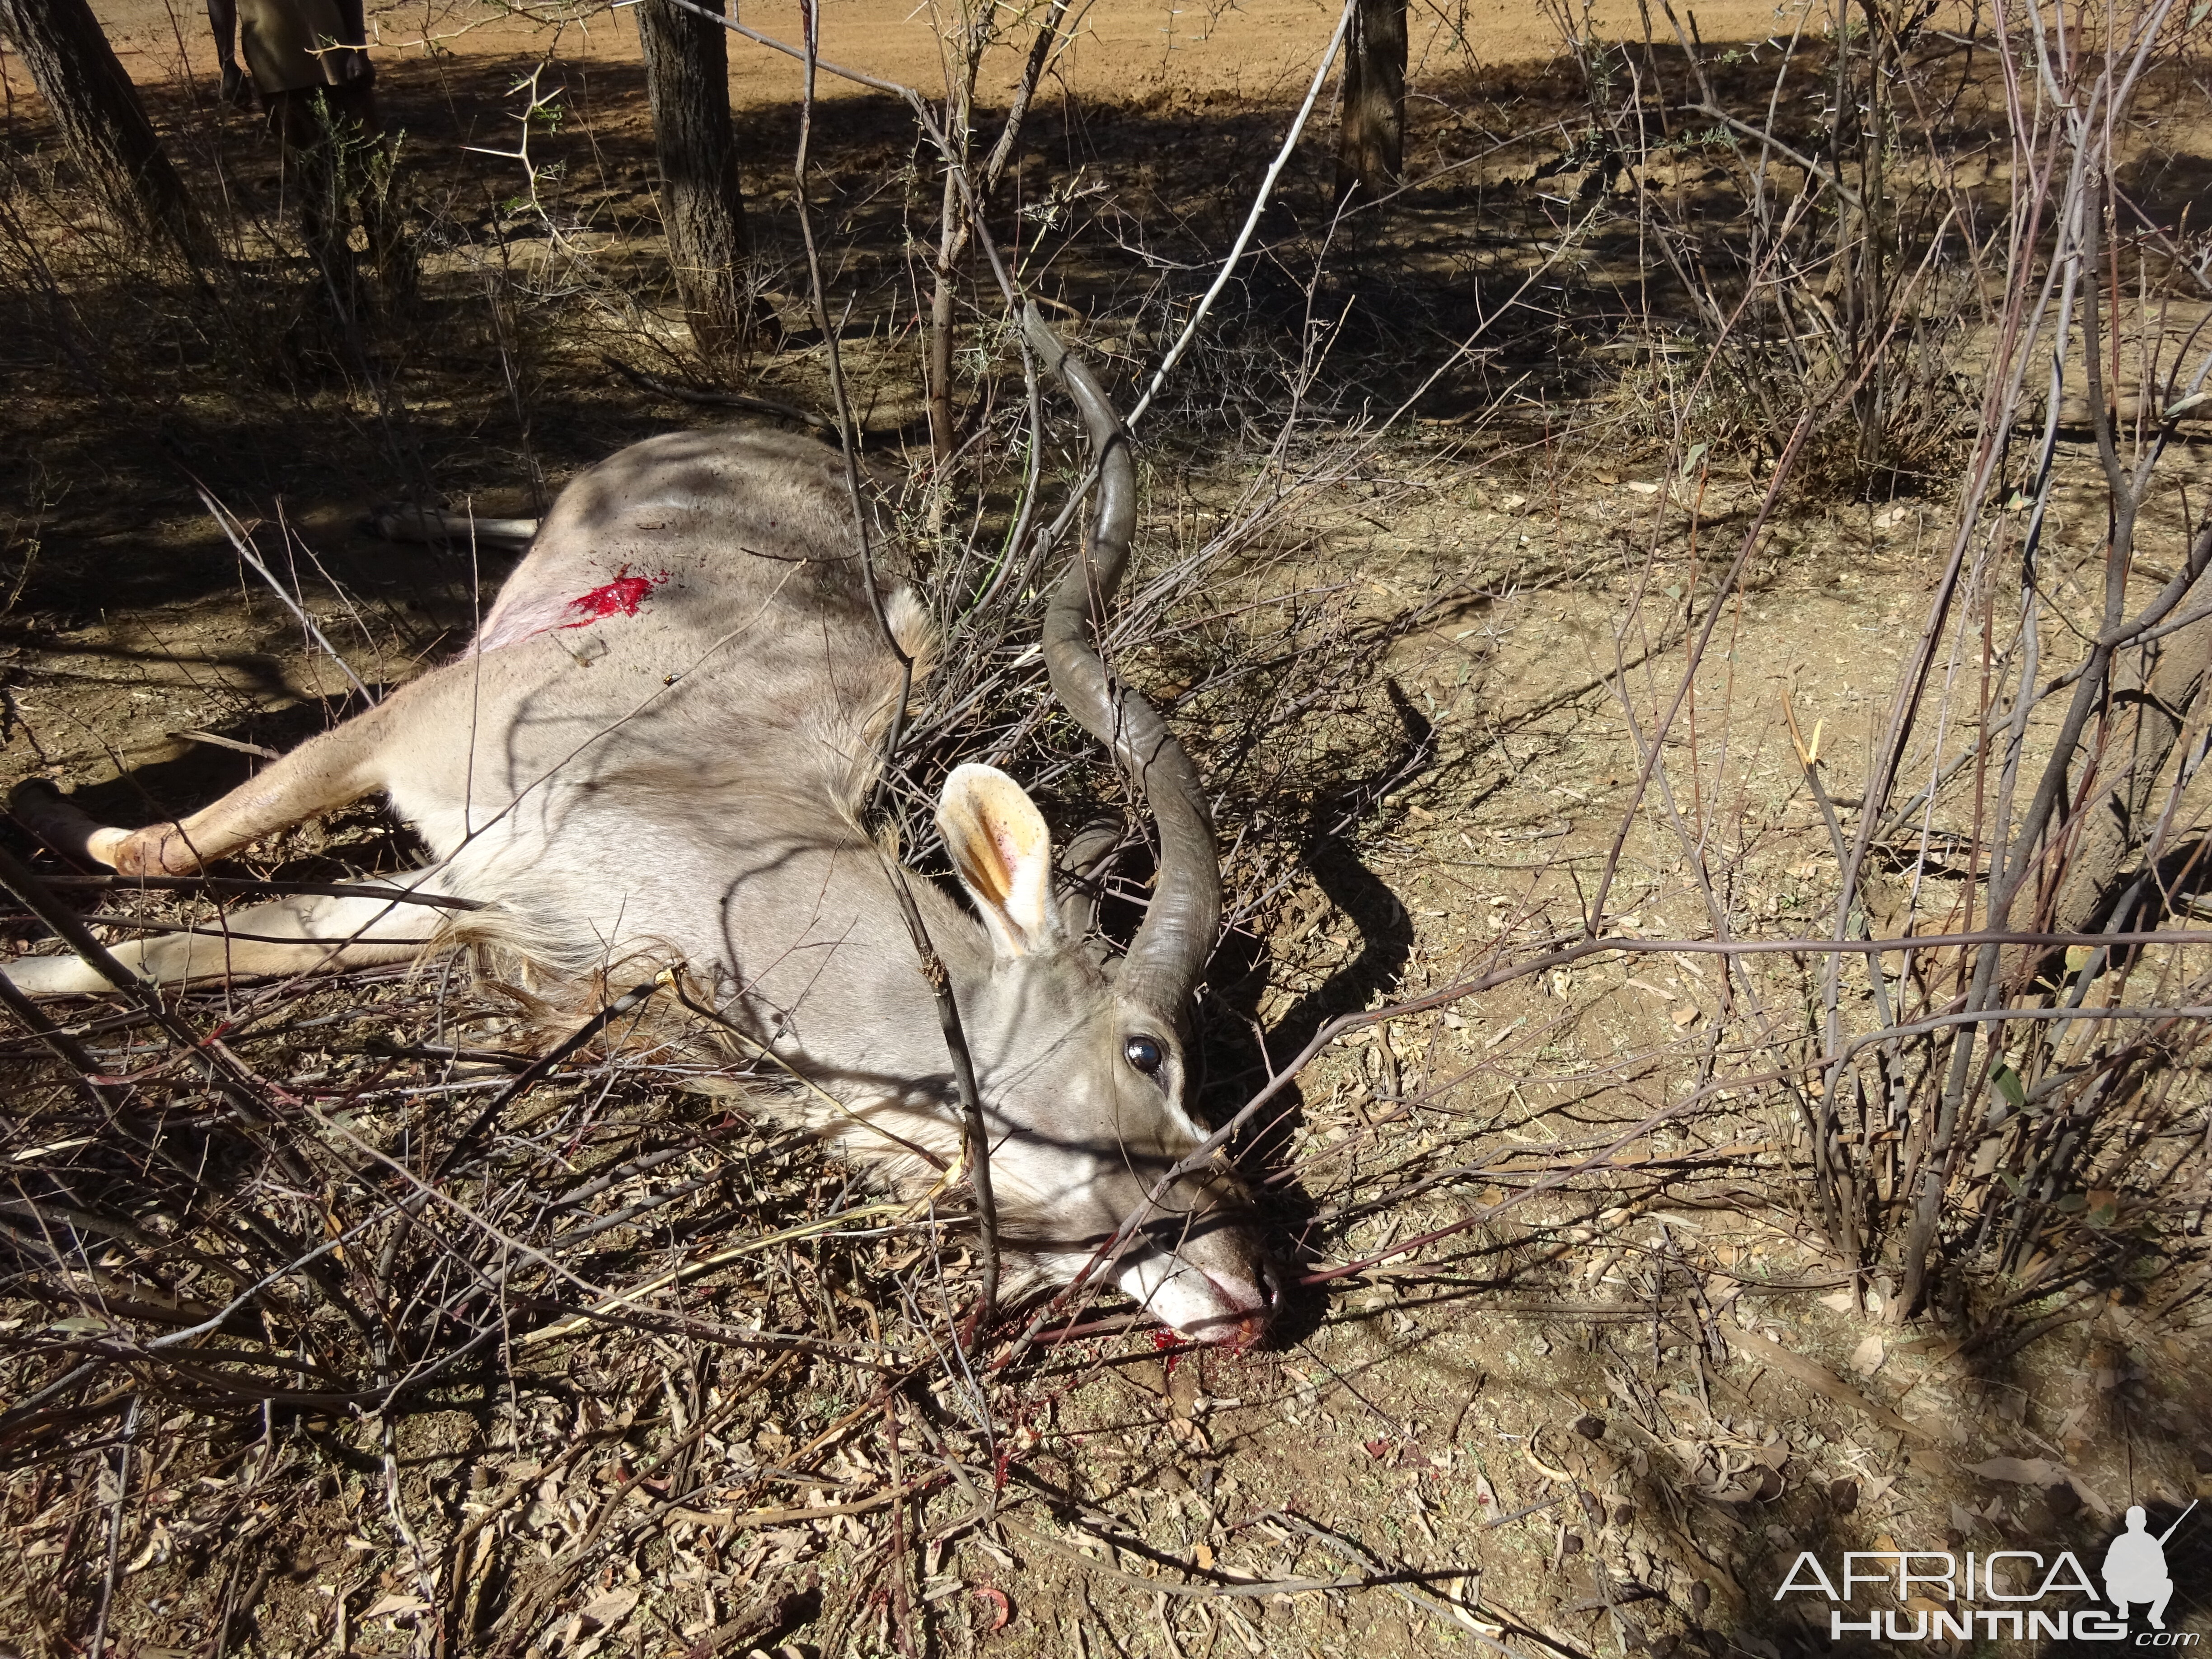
[(1819, 1378), (1528, 1452), (1867, 1357), (2088, 1495), (2040, 1472), (612, 1607), (2021, 1471), (1005, 1611)]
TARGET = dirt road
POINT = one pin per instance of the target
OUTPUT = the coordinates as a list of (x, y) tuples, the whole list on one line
[(1262, 50)]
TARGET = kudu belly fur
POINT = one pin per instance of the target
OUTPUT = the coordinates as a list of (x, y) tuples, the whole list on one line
[(656, 751)]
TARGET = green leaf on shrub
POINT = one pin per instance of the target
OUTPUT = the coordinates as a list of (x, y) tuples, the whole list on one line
[(2006, 1079)]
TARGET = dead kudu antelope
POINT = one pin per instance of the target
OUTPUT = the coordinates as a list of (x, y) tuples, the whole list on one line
[(657, 749)]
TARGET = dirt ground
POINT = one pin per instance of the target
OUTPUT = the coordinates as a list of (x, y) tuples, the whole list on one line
[(1264, 51), (1611, 1423)]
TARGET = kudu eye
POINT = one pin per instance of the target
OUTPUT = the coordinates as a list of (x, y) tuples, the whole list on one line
[(1145, 1053)]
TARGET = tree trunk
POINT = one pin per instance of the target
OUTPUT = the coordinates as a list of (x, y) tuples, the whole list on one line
[(951, 242), (1371, 149), (953, 233), (2148, 719), (687, 77), (103, 126)]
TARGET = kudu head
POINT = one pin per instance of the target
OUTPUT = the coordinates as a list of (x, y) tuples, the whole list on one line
[(1085, 1067)]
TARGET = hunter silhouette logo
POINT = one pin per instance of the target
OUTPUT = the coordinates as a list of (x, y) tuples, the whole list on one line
[(2135, 1566), (2006, 1595)]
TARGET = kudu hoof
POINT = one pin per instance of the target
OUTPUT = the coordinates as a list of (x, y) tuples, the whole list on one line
[(66, 828), (59, 822)]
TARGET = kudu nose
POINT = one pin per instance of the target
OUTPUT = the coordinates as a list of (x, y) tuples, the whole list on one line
[(1210, 1280), (1269, 1281)]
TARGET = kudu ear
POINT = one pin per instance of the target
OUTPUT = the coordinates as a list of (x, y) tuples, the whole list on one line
[(1003, 852)]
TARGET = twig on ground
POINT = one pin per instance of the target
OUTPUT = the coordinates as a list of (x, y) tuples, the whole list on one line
[(117, 1507)]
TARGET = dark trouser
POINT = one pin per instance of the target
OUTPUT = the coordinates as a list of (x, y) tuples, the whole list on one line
[(334, 147)]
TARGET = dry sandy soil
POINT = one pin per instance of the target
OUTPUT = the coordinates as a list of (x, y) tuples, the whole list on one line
[(1265, 50), (1606, 1425)]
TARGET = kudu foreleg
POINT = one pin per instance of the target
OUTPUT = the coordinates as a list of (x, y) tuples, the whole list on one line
[(321, 775)]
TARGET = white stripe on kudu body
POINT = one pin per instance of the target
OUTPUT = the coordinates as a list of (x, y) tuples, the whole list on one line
[(655, 751)]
